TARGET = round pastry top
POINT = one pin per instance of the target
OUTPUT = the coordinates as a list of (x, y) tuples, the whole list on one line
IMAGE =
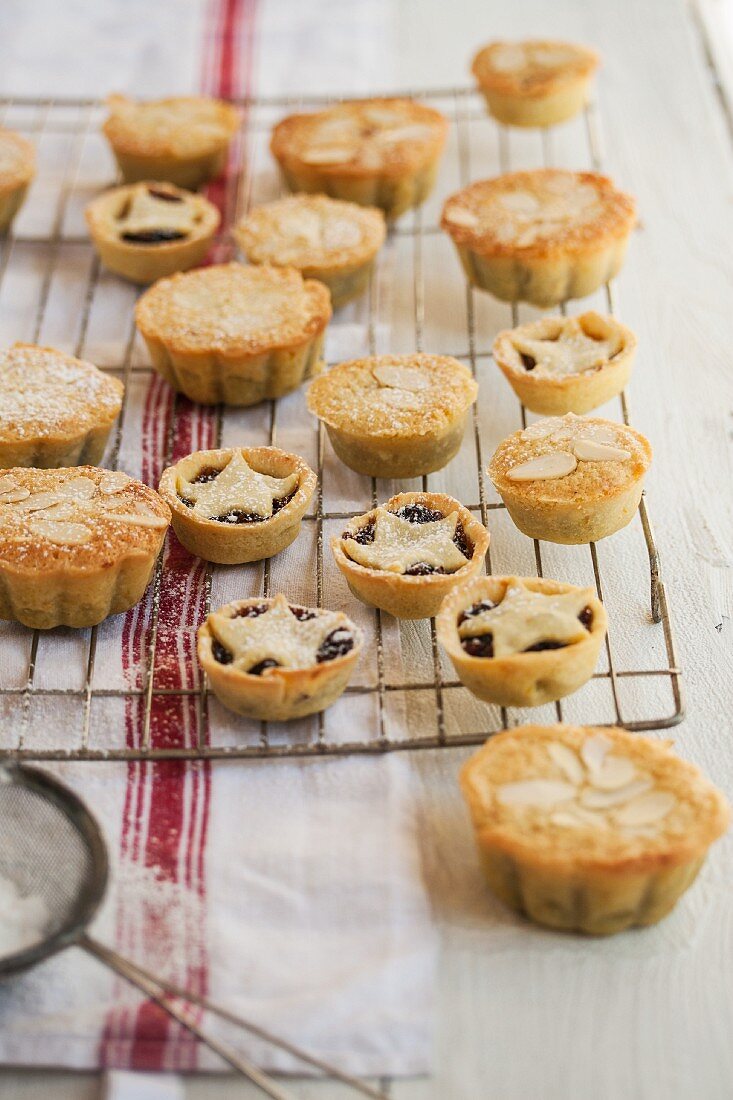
[(566, 459), (538, 212), (182, 126), (81, 517), (45, 394), (151, 215), (233, 308), (393, 395), (557, 347), (591, 796), (17, 160), (362, 137), (532, 68), (311, 231)]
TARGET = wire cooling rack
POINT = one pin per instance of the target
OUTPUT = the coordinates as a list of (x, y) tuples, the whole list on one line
[(413, 700)]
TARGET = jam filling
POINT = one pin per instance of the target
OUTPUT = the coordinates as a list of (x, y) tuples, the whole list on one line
[(336, 644), (153, 236), (482, 645), (415, 513)]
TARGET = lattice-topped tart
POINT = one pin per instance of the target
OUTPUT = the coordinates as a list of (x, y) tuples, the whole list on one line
[(541, 236), (183, 140), (395, 415), (238, 504), (522, 641), (335, 242), (17, 169), (235, 334), (76, 545), (270, 659), (54, 410), (570, 478), (589, 829), (536, 82), (407, 554), (144, 231), (377, 152)]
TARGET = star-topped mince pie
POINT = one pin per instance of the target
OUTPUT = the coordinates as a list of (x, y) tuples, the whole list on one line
[(534, 83), (17, 169), (407, 554), (571, 479), (76, 545), (589, 829), (238, 504), (522, 641), (273, 660)]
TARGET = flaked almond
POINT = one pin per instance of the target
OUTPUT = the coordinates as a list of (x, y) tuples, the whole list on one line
[(544, 468), (401, 378), (593, 799), (615, 772), (80, 488), (594, 750), (588, 450), (535, 792), (414, 132), (63, 533), (645, 810), (464, 218), (139, 518), (37, 502), (328, 154), (12, 496), (567, 761), (113, 482)]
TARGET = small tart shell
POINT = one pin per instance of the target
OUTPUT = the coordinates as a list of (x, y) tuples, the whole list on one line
[(555, 395), (593, 502), (586, 879), (522, 679), (235, 544), (144, 263), (411, 597), (197, 341), (279, 694), (17, 169), (543, 270)]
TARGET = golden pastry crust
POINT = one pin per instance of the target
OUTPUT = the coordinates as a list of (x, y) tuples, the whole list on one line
[(524, 678), (76, 545), (235, 334), (558, 364), (376, 152), (395, 415), (17, 169), (235, 544), (416, 596), (536, 82), (183, 140), (335, 242), (589, 829), (303, 682), (54, 410), (183, 222), (588, 485), (540, 236)]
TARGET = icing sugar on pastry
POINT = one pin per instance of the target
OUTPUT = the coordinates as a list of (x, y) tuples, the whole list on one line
[(583, 442), (572, 351), (524, 618), (236, 488), (397, 544)]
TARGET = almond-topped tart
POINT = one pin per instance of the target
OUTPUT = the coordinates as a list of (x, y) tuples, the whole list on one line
[(76, 545), (17, 169), (407, 554), (522, 641), (183, 140), (541, 236), (238, 504), (395, 415), (54, 410), (536, 82), (377, 152), (235, 334), (589, 829), (144, 231), (326, 239), (570, 478), (558, 365), (273, 660)]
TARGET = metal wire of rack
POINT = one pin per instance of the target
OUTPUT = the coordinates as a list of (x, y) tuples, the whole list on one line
[(54, 116)]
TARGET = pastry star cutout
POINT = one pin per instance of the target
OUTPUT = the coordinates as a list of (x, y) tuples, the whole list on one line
[(275, 634), (398, 544), (571, 353), (524, 618), (237, 488)]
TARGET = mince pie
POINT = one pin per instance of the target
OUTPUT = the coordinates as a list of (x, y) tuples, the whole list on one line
[(541, 236), (238, 505), (76, 545), (589, 829), (235, 334), (395, 415), (144, 231), (571, 478), (272, 660), (334, 242), (522, 641), (54, 410), (183, 140), (566, 364), (17, 169), (407, 554), (534, 83), (377, 152)]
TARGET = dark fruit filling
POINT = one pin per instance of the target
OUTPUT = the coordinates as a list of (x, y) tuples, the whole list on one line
[(538, 647), (461, 541), (418, 513), (278, 505), (164, 196), (258, 669), (415, 513), (153, 236), (335, 644), (422, 569), (364, 534), (302, 614), (586, 617), (250, 611), (483, 644), (528, 362), (474, 610), (209, 473), (220, 654), (236, 516)]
